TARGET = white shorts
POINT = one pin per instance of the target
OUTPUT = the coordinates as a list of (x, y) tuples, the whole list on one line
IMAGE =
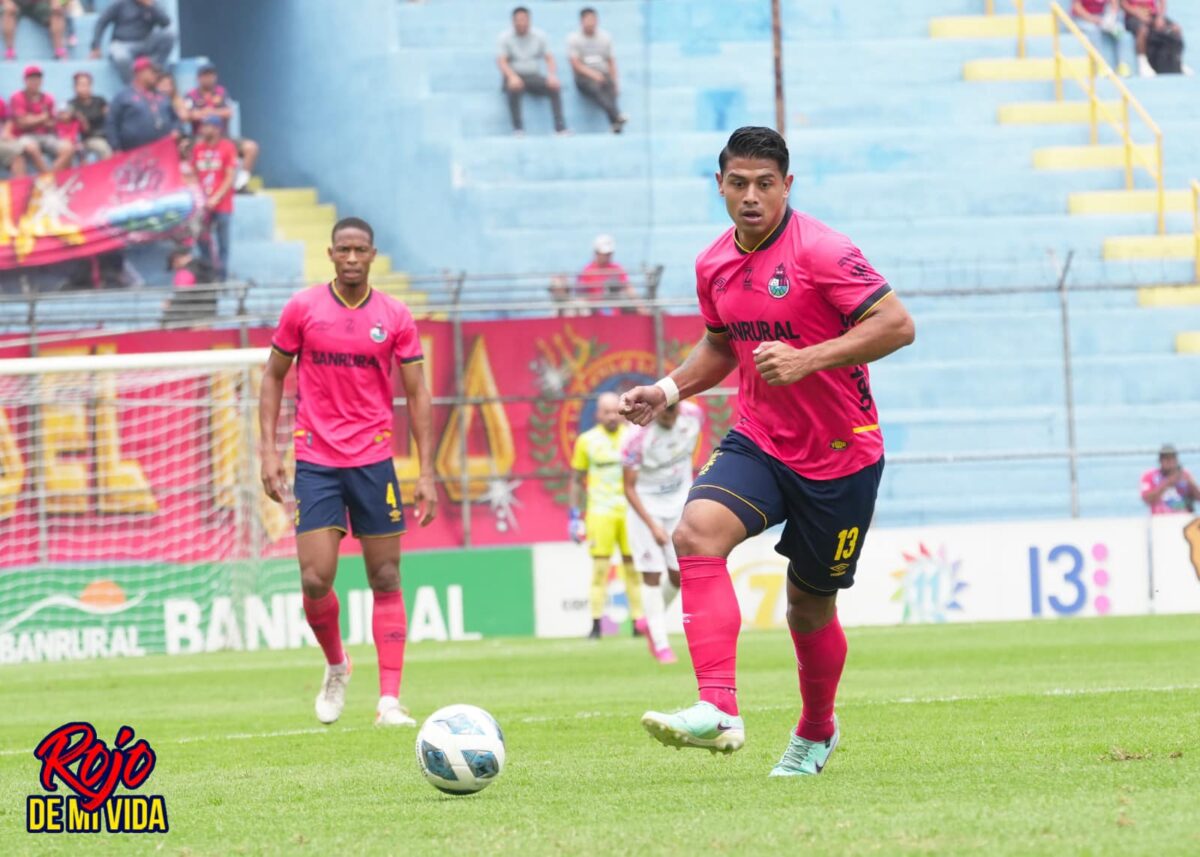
[(648, 555)]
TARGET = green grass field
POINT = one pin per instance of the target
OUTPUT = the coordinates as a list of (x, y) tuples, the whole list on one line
[(1057, 737)]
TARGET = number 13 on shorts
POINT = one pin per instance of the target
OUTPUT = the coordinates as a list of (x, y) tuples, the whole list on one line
[(847, 543)]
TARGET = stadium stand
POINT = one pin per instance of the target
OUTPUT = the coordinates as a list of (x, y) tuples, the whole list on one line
[(256, 254), (916, 131)]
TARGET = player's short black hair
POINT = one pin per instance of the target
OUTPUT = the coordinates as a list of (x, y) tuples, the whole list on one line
[(755, 141), (352, 223), (585, 11), (524, 9)]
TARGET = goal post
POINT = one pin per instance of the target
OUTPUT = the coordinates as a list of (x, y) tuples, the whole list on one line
[(129, 487)]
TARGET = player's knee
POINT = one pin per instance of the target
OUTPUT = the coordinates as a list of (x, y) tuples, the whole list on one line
[(384, 577), (806, 612), (314, 584), (315, 579), (689, 540)]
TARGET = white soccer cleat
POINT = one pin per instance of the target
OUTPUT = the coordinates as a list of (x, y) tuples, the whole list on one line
[(390, 712), (332, 698)]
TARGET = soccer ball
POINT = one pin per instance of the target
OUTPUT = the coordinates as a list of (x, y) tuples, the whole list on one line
[(460, 749)]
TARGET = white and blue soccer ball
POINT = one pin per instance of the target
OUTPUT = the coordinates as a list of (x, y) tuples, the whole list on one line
[(460, 749)]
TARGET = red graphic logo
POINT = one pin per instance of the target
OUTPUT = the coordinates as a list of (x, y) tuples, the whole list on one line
[(74, 756)]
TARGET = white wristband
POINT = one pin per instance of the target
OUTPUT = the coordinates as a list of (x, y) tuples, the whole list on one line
[(668, 386)]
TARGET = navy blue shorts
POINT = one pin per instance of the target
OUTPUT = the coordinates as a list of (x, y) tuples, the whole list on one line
[(825, 521), (369, 496)]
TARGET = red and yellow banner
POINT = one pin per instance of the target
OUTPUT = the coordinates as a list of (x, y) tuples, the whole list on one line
[(159, 481), (131, 198)]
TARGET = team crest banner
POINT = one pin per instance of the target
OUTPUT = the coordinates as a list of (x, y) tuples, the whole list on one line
[(530, 385), (132, 198)]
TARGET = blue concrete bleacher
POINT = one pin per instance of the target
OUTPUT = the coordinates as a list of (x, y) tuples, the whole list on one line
[(889, 144)]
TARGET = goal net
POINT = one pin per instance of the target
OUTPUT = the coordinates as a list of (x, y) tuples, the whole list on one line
[(131, 513)]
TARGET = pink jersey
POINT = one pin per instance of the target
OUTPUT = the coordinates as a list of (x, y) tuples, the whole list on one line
[(1177, 498), (344, 358), (805, 284)]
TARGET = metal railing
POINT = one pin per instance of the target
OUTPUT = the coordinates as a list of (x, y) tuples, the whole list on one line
[(1196, 226), (38, 321), (990, 10), (1097, 66)]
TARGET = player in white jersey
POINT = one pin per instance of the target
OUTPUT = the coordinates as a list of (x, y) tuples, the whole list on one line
[(658, 475)]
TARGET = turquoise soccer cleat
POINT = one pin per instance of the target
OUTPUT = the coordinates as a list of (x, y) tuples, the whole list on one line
[(804, 758), (703, 725)]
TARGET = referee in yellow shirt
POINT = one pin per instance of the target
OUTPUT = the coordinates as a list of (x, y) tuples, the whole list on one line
[(598, 458)]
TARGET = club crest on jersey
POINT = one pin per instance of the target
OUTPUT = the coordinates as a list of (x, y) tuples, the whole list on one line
[(377, 332), (778, 285)]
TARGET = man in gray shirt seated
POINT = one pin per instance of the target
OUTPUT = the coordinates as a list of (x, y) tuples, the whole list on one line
[(140, 29), (521, 53), (591, 54)]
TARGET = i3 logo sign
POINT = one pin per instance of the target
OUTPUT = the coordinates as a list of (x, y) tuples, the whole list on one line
[(1064, 578)]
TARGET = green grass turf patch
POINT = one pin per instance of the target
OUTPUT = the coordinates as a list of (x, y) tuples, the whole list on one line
[(1053, 737)]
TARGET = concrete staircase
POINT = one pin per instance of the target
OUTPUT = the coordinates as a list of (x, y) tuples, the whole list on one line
[(300, 216), (1168, 100)]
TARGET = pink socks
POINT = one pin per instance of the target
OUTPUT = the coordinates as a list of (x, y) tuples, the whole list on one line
[(711, 620), (322, 616), (821, 656), (389, 627)]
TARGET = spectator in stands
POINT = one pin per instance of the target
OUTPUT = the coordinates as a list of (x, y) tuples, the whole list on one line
[(603, 279), (214, 158), (140, 29), (68, 128), (569, 306), (187, 269), (1169, 488), (1099, 20), (33, 115), (590, 51), (168, 89), (48, 13), (209, 98), (522, 50), (92, 111), (138, 114), (1158, 39), (188, 303), (14, 149)]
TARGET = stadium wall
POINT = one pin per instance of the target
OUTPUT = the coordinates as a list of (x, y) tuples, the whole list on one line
[(970, 573)]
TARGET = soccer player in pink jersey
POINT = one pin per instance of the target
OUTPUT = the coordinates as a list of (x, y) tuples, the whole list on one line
[(795, 307), (345, 337)]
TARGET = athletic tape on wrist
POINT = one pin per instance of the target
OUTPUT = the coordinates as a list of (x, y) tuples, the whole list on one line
[(668, 386)]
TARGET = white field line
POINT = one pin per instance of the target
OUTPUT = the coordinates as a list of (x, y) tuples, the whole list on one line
[(232, 736), (583, 715)]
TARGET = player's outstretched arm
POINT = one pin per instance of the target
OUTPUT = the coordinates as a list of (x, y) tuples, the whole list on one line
[(420, 419), (708, 364), (888, 328), (270, 395)]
